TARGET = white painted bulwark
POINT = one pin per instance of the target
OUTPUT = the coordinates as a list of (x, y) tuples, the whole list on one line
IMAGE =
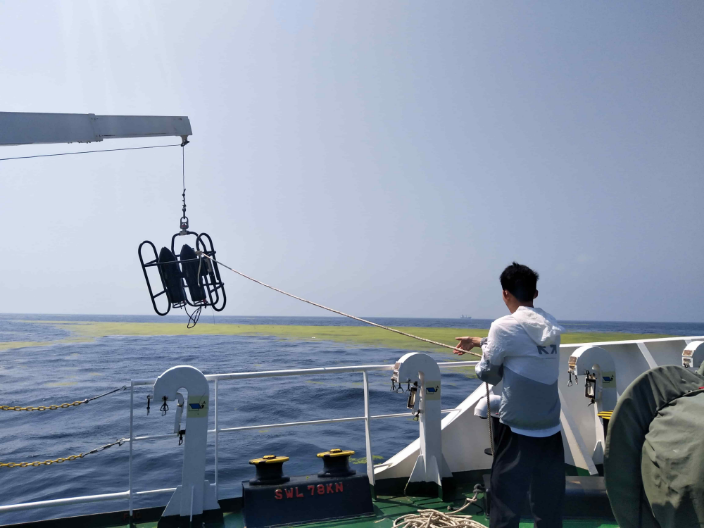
[(597, 361), (465, 436)]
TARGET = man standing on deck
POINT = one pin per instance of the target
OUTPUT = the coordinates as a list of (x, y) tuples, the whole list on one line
[(522, 350)]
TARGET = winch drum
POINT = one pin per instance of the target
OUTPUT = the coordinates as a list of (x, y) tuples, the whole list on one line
[(654, 456)]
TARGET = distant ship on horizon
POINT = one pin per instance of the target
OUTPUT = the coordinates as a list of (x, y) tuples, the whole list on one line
[(465, 317)]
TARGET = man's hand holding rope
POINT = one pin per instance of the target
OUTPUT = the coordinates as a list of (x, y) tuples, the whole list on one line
[(466, 344)]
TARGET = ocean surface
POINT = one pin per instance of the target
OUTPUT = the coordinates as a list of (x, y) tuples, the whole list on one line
[(65, 372)]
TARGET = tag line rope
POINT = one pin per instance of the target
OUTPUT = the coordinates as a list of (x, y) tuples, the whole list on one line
[(425, 518), (430, 341)]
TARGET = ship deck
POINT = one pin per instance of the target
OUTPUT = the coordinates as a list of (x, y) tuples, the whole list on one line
[(388, 508)]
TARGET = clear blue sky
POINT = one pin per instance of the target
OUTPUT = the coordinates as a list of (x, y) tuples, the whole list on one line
[(385, 158)]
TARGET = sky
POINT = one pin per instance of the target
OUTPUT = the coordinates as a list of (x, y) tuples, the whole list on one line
[(383, 158)]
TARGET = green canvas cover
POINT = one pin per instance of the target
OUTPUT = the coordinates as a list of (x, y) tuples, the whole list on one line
[(654, 456), (672, 462)]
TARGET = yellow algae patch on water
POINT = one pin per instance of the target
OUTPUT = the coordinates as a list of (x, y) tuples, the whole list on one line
[(467, 371), (600, 337), (355, 335), (363, 460), (13, 345), (61, 384), (9, 345), (358, 335)]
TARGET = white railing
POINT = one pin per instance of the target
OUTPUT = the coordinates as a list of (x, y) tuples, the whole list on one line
[(130, 494)]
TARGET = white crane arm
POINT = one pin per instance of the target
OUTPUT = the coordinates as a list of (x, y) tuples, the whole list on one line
[(21, 128)]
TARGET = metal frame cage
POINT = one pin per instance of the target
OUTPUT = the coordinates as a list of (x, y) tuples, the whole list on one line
[(186, 279)]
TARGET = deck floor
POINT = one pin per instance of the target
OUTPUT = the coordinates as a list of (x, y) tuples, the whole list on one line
[(390, 508)]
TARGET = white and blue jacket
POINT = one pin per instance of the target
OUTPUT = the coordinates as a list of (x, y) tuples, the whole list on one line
[(523, 351)]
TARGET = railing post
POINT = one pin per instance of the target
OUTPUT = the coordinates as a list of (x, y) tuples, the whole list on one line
[(131, 444), (367, 434), (217, 444)]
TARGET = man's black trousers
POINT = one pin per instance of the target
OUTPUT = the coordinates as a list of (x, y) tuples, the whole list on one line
[(525, 465)]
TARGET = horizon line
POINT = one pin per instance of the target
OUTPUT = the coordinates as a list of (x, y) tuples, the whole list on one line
[(342, 317)]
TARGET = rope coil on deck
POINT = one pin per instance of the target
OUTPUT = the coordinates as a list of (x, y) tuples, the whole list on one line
[(61, 460), (438, 519), (61, 406)]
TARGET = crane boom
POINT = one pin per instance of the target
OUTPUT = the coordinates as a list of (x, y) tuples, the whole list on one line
[(21, 128)]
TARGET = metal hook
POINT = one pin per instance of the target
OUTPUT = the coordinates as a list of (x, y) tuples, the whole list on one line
[(590, 386), (164, 407), (570, 374), (149, 401)]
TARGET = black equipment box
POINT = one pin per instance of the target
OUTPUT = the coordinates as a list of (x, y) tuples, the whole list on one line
[(306, 499)]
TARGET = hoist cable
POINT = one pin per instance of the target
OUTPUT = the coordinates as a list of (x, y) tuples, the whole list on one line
[(336, 311), (183, 223), (183, 177), (87, 152)]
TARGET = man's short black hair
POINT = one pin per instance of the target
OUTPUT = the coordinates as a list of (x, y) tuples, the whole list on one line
[(520, 281)]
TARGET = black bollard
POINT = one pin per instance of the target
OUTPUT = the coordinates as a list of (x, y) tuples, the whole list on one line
[(336, 463), (270, 470)]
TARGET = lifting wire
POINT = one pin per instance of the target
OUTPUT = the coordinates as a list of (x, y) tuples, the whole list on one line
[(438, 519), (195, 315), (63, 459), (184, 218), (62, 406)]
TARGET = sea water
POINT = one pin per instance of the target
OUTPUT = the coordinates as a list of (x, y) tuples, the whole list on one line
[(65, 372)]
